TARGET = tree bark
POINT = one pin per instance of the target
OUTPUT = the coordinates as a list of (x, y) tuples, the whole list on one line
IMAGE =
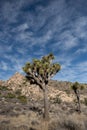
[(78, 100), (46, 110)]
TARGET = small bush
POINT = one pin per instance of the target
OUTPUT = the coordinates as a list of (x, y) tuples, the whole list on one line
[(67, 92), (75, 101), (0, 94), (18, 92), (10, 95), (54, 125), (81, 87), (3, 88), (85, 101), (22, 98), (57, 100), (73, 124)]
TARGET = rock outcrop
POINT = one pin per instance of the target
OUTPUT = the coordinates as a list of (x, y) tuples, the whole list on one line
[(57, 89), (23, 111), (19, 82)]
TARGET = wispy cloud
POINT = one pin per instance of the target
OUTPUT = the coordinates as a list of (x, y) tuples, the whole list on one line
[(80, 27), (34, 28), (73, 73), (81, 50), (67, 40), (3, 66)]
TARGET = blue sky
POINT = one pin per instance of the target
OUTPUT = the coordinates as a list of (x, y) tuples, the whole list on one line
[(33, 28)]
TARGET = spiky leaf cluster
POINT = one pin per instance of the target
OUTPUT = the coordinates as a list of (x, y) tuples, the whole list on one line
[(76, 86), (42, 69)]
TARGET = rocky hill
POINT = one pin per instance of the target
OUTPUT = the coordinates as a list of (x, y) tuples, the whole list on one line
[(21, 106)]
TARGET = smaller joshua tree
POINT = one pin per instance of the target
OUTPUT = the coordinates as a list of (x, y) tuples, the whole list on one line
[(40, 72), (76, 87)]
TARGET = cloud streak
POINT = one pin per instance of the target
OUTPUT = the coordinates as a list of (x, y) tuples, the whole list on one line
[(31, 29)]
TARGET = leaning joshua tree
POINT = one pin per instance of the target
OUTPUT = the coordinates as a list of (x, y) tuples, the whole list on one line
[(40, 72), (76, 88)]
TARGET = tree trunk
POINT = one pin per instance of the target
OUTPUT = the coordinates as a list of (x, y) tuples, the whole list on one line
[(46, 111), (78, 100)]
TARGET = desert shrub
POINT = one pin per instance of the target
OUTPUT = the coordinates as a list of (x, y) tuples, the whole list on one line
[(67, 91), (32, 128), (3, 88), (54, 125), (22, 99), (73, 123), (57, 99), (10, 95), (82, 87), (68, 122), (85, 101), (18, 92), (4, 127), (85, 123), (22, 127), (70, 125), (0, 94), (10, 127), (74, 100)]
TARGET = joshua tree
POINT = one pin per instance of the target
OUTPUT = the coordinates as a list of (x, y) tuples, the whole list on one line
[(40, 72), (76, 87)]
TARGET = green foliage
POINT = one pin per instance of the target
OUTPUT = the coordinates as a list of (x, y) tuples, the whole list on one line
[(22, 98), (42, 69), (85, 101), (18, 92), (0, 94), (57, 100), (3, 88), (76, 86), (10, 95), (82, 87)]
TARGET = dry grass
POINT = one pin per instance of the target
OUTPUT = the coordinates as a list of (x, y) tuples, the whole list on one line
[(69, 122), (30, 115), (60, 119)]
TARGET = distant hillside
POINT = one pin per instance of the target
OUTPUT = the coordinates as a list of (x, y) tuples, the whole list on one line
[(21, 105)]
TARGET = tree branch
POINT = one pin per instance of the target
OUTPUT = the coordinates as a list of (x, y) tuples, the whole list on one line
[(37, 80)]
